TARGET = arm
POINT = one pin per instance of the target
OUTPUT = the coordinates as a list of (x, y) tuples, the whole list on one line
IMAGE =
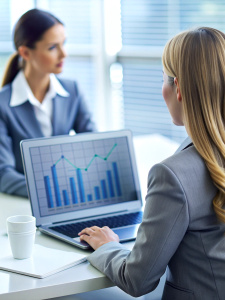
[(11, 181), (164, 224), (83, 121)]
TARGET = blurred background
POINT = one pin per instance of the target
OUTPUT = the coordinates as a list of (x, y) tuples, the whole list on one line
[(114, 52)]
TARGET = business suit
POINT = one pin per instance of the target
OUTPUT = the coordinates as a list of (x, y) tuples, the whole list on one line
[(19, 122), (179, 230)]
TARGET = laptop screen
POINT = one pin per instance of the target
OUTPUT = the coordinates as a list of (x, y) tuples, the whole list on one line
[(70, 175)]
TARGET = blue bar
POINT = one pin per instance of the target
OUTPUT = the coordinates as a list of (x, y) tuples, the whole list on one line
[(109, 178), (65, 197), (89, 197), (80, 185), (104, 191), (48, 192), (73, 190), (56, 186), (97, 193), (117, 180)]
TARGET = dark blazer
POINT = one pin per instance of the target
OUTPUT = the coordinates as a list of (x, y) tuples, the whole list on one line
[(179, 232), (19, 123)]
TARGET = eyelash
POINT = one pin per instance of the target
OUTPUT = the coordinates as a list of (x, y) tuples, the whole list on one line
[(52, 47)]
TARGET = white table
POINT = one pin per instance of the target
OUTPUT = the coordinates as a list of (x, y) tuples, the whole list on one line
[(81, 278)]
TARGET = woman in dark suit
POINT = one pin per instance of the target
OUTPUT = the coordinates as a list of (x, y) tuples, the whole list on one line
[(33, 101), (183, 225)]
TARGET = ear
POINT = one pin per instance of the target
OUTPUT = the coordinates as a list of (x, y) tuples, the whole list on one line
[(24, 52), (179, 97)]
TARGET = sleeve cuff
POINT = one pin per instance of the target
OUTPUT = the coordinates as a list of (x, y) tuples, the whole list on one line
[(108, 247)]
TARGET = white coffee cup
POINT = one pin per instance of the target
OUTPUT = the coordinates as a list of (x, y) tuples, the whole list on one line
[(21, 232)]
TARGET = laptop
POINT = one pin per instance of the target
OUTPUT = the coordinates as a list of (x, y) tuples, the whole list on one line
[(83, 180)]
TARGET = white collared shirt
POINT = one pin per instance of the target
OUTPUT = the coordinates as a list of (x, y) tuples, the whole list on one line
[(21, 92)]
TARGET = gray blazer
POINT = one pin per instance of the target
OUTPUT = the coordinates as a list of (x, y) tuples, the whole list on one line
[(179, 232), (19, 123)]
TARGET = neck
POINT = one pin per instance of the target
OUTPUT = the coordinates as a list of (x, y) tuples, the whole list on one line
[(39, 83)]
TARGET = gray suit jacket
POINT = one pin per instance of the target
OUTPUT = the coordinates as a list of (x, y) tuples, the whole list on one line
[(19, 123), (179, 233)]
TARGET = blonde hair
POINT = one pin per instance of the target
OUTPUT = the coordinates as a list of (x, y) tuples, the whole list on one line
[(197, 59)]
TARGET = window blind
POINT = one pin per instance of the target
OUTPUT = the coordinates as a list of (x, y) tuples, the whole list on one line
[(146, 25), (82, 70), (80, 20), (145, 111), (5, 29)]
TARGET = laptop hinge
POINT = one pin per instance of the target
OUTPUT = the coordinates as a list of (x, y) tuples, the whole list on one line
[(46, 224), (87, 218)]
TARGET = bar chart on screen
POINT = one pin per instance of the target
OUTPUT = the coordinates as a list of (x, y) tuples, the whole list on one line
[(78, 176)]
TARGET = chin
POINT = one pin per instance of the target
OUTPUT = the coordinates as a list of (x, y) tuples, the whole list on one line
[(58, 71)]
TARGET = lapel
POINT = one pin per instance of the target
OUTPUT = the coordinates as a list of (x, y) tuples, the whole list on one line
[(25, 115), (184, 144)]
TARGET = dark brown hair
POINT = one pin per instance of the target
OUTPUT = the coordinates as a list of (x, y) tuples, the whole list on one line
[(28, 30)]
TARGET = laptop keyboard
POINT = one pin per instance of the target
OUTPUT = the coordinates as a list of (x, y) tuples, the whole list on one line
[(73, 229)]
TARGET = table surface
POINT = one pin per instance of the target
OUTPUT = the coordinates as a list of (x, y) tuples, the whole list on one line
[(81, 278)]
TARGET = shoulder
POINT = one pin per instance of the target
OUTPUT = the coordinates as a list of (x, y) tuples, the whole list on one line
[(5, 92), (5, 95), (70, 85), (187, 170), (185, 161), (184, 165)]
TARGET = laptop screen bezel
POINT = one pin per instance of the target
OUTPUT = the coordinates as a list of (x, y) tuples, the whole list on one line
[(86, 213)]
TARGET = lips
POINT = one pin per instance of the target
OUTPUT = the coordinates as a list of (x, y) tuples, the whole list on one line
[(59, 65)]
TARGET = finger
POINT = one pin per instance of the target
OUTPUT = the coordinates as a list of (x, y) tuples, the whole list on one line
[(85, 238), (86, 231), (105, 227), (82, 231), (95, 228)]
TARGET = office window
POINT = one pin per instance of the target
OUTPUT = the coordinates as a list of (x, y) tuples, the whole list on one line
[(81, 23), (5, 33), (10, 11), (114, 53), (5, 30), (146, 25)]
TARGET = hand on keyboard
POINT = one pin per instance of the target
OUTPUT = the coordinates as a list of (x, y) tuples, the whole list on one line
[(96, 236)]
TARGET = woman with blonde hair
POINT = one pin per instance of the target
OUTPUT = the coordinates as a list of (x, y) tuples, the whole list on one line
[(34, 102), (183, 225)]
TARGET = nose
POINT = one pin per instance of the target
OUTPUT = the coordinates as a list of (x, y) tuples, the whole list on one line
[(62, 52)]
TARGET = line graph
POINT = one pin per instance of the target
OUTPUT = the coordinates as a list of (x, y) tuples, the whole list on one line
[(81, 175), (78, 191), (93, 158)]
